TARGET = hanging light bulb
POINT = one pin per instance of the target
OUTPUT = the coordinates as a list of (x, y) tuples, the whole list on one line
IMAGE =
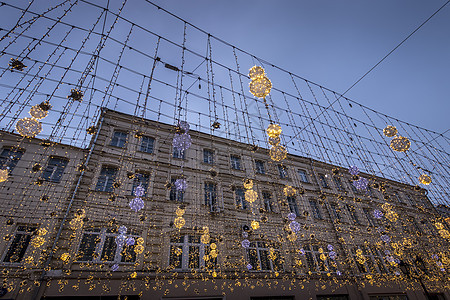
[(37, 112), (260, 87), (390, 131), (425, 179), (400, 144)]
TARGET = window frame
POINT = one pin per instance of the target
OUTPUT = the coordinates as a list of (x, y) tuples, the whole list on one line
[(211, 200), (255, 246), (268, 204), (186, 252), (323, 181), (292, 203), (236, 163), (145, 184), (317, 214), (283, 171), (303, 174), (208, 156), (318, 266), (56, 167), (106, 185), (338, 183), (29, 235), (178, 154), (8, 163), (144, 149), (102, 235), (260, 167), (241, 203), (118, 140)]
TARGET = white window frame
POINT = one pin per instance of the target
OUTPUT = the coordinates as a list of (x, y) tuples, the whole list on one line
[(303, 174), (258, 249), (185, 252)]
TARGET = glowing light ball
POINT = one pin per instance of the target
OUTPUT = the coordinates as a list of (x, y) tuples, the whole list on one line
[(180, 184), (361, 183), (256, 72), (249, 266), (139, 191), (37, 241), (248, 184), (302, 251), (251, 196), (278, 153), (120, 240), (295, 226), (3, 175), (37, 112), (390, 131), (444, 233), (205, 239), (184, 126), (136, 204), (245, 243), (122, 229), (385, 238), (391, 216), (182, 142), (274, 130), (274, 141), (179, 222), (291, 216), (28, 127), (378, 214), (179, 212), (400, 144), (289, 191), (254, 225), (292, 237), (353, 170), (330, 247), (213, 253), (130, 241), (425, 179), (213, 246), (332, 255), (260, 87), (65, 257), (138, 249)]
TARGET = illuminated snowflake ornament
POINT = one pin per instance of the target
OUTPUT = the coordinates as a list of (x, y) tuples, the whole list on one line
[(353, 170), (136, 204), (295, 226), (182, 141), (180, 184), (245, 243), (139, 191), (378, 214), (291, 216), (361, 183)]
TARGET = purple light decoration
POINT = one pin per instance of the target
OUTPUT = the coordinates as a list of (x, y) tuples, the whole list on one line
[(302, 251), (338, 273), (396, 260), (385, 238), (397, 273), (120, 240), (378, 214), (295, 226), (139, 191), (332, 255), (245, 243), (130, 241), (182, 141), (181, 184), (245, 234), (184, 125), (353, 170), (361, 184), (249, 267), (330, 247), (136, 204), (114, 267), (291, 216), (122, 229)]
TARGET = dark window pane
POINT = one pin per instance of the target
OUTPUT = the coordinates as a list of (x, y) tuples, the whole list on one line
[(293, 206), (147, 144), (210, 195), (9, 158), (55, 169), (259, 166), (141, 179), (235, 162), (175, 195), (267, 197), (176, 256), (109, 249), (106, 179), (19, 244), (87, 247), (303, 176), (240, 199), (128, 254), (194, 257), (208, 156), (119, 139)]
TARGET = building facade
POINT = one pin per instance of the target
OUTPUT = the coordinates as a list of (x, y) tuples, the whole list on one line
[(302, 231)]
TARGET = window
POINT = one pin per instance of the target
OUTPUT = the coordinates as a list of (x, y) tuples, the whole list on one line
[(315, 263), (293, 206), (415, 226), (410, 199), (259, 166), (147, 144), (370, 260), (369, 216), (99, 245), (119, 139), (240, 198), (188, 252), (177, 153), (175, 195), (9, 158), (303, 176), (332, 297), (389, 297), (353, 187), (338, 183), (397, 197), (267, 198), (235, 162), (282, 170), (55, 169), (264, 257), (208, 156), (141, 179), (323, 181), (315, 209), (106, 179), (211, 196), (19, 244), (353, 215), (335, 212)]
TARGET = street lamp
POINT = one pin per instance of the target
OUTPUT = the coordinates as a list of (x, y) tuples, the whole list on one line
[(406, 269)]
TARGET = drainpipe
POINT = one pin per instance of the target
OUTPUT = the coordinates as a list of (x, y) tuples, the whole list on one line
[(39, 289)]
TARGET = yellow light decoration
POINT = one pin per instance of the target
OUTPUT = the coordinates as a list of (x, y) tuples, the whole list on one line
[(178, 251), (274, 141), (28, 127), (205, 239), (289, 191), (278, 153), (444, 233), (254, 224), (248, 184), (179, 222), (133, 275), (251, 196), (213, 253), (139, 241), (76, 223), (179, 212), (65, 257), (213, 246), (260, 87), (37, 241), (256, 72), (400, 144), (323, 257), (391, 216), (425, 179), (214, 274), (439, 225), (292, 237), (37, 112), (390, 131), (205, 229), (273, 130), (3, 175), (42, 231), (138, 249)]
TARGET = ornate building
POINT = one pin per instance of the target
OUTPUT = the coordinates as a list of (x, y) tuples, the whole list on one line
[(243, 227)]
